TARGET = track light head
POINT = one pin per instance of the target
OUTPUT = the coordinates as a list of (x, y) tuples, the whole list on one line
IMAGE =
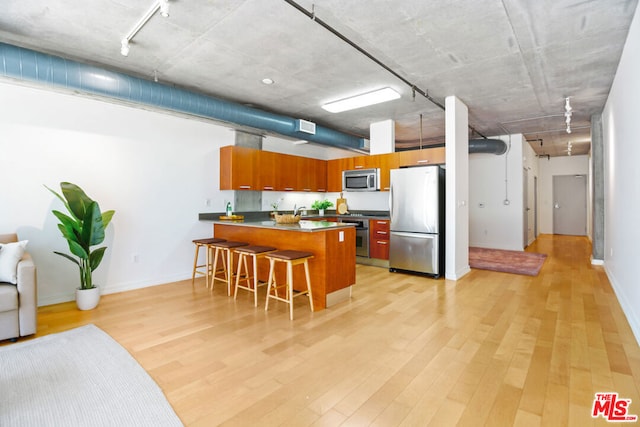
[(164, 8), (124, 47)]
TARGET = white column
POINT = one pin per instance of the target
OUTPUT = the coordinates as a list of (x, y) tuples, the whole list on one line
[(457, 188), (382, 137)]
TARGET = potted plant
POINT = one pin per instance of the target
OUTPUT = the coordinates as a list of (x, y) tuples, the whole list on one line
[(321, 205), (83, 227), (274, 206)]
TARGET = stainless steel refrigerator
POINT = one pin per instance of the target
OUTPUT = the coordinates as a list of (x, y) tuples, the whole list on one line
[(416, 207)]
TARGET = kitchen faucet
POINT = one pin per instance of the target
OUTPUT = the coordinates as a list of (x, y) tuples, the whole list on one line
[(297, 209)]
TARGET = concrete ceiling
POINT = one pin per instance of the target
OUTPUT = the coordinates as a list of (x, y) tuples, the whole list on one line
[(513, 62)]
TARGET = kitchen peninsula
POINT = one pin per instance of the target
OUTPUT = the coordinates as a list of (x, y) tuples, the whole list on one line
[(332, 268)]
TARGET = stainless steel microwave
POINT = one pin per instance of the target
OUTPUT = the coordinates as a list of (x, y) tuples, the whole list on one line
[(361, 180)]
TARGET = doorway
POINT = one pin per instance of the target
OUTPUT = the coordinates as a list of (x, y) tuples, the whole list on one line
[(570, 205)]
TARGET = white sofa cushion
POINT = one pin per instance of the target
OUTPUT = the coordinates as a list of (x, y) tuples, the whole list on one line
[(10, 255)]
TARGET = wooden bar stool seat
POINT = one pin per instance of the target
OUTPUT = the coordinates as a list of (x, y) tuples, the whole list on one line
[(203, 243), (255, 252), (290, 258), (225, 251)]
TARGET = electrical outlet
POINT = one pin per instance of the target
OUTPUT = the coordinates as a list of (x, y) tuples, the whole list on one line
[(207, 202), (135, 258)]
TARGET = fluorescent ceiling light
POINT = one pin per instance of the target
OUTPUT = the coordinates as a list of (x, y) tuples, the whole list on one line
[(363, 100)]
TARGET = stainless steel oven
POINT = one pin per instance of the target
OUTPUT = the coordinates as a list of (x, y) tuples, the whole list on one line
[(362, 235)]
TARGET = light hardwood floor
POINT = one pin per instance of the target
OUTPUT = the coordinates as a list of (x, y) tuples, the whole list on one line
[(491, 349)]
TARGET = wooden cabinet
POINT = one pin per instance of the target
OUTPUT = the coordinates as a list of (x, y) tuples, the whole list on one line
[(334, 173), (379, 239), (266, 169), (243, 168), (321, 176), (385, 162), (237, 168), (426, 156), (287, 172), (311, 174)]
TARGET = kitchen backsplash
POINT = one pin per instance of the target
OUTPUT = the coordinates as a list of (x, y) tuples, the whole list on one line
[(356, 201)]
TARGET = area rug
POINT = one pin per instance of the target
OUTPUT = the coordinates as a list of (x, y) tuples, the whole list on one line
[(517, 262), (80, 377)]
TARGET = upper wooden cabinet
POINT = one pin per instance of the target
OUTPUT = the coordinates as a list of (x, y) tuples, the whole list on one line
[(287, 172), (237, 168), (334, 173), (243, 168), (385, 162), (266, 168), (312, 174), (427, 156)]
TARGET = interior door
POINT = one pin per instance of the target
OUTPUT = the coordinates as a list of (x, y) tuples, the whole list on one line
[(570, 205)]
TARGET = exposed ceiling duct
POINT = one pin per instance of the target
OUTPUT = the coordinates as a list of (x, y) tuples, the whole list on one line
[(25, 64), (487, 146)]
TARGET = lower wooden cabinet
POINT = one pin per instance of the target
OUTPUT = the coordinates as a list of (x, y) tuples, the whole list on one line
[(379, 239)]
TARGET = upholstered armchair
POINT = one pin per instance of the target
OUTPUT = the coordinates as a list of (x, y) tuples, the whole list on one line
[(18, 302)]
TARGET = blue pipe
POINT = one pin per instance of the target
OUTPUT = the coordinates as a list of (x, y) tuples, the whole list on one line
[(25, 64)]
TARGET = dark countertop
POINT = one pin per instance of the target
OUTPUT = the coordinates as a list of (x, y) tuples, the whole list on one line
[(303, 225), (264, 215)]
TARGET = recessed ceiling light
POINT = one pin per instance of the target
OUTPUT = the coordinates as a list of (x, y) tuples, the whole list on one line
[(268, 81), (362, 100)]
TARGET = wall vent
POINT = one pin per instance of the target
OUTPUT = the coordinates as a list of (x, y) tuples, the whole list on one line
[(305, 126)]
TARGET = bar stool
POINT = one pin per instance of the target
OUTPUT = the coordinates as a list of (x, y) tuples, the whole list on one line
[(290, 258), (225, 251), (255, 252), (203, 243)]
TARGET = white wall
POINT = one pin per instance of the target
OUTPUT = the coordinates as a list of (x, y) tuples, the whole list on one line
[(548, 168), (494, 179), (155, 170), (621, 128), (457, 189)]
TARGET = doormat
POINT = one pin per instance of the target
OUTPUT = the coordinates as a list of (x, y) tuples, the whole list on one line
[(516, 262)]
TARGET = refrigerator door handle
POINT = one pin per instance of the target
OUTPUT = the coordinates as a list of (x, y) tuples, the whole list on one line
[(391, 202), (415, 235)]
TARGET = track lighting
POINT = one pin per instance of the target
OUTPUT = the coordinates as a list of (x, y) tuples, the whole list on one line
[(164, 8), (161, 5), (568, 111), (124, 47)]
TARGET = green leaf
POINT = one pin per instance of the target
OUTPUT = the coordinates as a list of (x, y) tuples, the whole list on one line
[(67, 221), (96, 257), (75, 261), (78, 250), (106, 217), (92, 227), (77, 200)]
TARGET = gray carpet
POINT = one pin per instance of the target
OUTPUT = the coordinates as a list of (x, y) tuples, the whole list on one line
[(80, 377)]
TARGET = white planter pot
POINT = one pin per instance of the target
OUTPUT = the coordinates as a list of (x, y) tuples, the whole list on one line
[(321, 212), (87, 299)]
